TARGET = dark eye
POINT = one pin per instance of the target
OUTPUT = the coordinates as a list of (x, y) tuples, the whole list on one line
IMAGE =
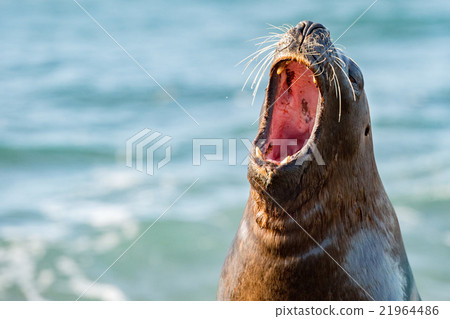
[(352, 79)]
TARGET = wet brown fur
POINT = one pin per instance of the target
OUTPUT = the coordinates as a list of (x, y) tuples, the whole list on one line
[(271, 256)]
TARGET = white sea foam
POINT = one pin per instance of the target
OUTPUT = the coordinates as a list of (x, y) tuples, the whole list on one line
[(78, 282), (18, 269)]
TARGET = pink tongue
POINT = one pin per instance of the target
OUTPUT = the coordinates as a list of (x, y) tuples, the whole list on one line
[(294, 112)]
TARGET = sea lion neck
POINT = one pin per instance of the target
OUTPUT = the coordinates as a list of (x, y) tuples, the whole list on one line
[(317, 195)]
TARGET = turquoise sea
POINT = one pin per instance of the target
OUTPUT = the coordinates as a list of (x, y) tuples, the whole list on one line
[(70, 98)]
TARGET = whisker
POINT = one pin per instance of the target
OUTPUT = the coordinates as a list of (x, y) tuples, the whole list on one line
[(255, 55), (256, 67), (275, 34), (339, 46), (271, 35), (338, 91), (271, 26), (264, 60), (332, 79), (319, 62), (257, 52), (267, 41), (349, 82), (319, 74), (353, 61), (259, 81), (339, 61), (267, 51), (249, 62)]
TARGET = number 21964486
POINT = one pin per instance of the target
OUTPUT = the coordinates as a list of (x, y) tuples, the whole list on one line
[(408, 310)]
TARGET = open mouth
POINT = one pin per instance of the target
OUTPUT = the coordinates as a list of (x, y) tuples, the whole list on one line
[(293, 109)]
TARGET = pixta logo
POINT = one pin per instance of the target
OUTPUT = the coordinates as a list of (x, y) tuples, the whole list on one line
[(141, 148)]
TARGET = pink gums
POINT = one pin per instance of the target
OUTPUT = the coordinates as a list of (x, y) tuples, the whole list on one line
[(294, 112)]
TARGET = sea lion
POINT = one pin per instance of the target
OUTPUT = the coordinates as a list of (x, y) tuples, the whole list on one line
[(312, 231)]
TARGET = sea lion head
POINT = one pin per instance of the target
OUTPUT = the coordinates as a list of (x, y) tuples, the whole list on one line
[(315, 119)]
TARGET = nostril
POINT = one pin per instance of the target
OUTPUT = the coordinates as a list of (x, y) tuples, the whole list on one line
[(311, 27), (302, 26), (305, 28), (299, 31)]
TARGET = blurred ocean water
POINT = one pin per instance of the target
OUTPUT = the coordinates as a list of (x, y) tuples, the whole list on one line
[(70, 98)]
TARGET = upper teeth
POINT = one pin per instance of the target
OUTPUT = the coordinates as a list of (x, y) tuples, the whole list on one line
[(282, 67)]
